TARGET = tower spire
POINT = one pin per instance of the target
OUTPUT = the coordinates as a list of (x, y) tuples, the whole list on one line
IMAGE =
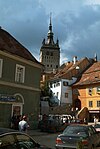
[(50, 33), (50, 25)]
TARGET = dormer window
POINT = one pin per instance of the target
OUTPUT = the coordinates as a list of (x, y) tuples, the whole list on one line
[(90, 91)]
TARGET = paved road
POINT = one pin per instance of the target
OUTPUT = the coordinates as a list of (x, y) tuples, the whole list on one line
[(48, 140), (44, 138)]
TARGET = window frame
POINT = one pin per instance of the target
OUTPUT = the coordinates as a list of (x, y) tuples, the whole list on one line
[(90, 90), (65, 83), (66, 95), (98, 103), (90, 103), (20, 76)]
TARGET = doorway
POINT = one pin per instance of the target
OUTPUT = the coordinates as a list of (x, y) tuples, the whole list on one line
[(16, 109)]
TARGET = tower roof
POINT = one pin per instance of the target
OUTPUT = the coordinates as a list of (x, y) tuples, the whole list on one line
[(50, 41), (50, 34)]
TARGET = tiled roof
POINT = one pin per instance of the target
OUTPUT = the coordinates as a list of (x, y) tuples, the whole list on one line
[(91, 75), (63, 69), (70, 69), (9, 44)]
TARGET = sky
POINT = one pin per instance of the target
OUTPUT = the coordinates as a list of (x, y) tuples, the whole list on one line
[(76, 23)]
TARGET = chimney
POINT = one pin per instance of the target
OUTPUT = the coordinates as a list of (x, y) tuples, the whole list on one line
[(74, 59), (54, 71), (95, 57)]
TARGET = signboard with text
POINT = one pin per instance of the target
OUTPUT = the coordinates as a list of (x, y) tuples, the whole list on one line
[(7, 98)]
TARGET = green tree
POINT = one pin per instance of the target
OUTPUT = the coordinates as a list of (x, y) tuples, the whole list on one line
[(45, 91)]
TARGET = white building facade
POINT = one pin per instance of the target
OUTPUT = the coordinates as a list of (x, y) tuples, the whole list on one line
[(61, 88)]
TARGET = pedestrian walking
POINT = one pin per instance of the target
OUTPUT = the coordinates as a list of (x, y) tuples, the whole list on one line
[(23, 124), (94, 120)]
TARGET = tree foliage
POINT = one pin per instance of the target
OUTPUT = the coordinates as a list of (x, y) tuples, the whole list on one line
[(45, 91)]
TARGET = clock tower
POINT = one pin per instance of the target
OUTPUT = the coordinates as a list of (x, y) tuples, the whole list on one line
[(50, 52)]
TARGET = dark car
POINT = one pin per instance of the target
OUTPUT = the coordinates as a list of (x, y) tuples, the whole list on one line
[(97, 127), (12, 139), (77, 121), (76, 135), (51, 124)]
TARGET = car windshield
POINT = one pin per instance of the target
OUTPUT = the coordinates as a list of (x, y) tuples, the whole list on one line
[(97, 126), (71, 130)]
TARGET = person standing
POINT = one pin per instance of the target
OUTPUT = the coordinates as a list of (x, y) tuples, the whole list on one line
[(23, 125), (94, 120), (13, 121)]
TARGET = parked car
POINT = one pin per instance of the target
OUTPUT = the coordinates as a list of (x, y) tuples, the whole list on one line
[(66, 118), (78, 134), (51, 123), (12, 139), (77, 121), (97, 127)]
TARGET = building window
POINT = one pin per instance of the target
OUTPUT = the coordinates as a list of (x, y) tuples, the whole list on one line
[(56, 66), (57, 84), (65, 83), (51, 85), (51, 53), (98, 103), (1, 63), (54, 85), (90, 91), (57, 94), (47, 53), (90, 103), (20, 73), (66, 95)]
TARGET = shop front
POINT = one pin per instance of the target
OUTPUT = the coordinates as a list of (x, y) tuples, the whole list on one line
[(94, 113), (10, 105)]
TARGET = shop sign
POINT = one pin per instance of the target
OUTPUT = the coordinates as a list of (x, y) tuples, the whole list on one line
[(7, 98), (94, 111)]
